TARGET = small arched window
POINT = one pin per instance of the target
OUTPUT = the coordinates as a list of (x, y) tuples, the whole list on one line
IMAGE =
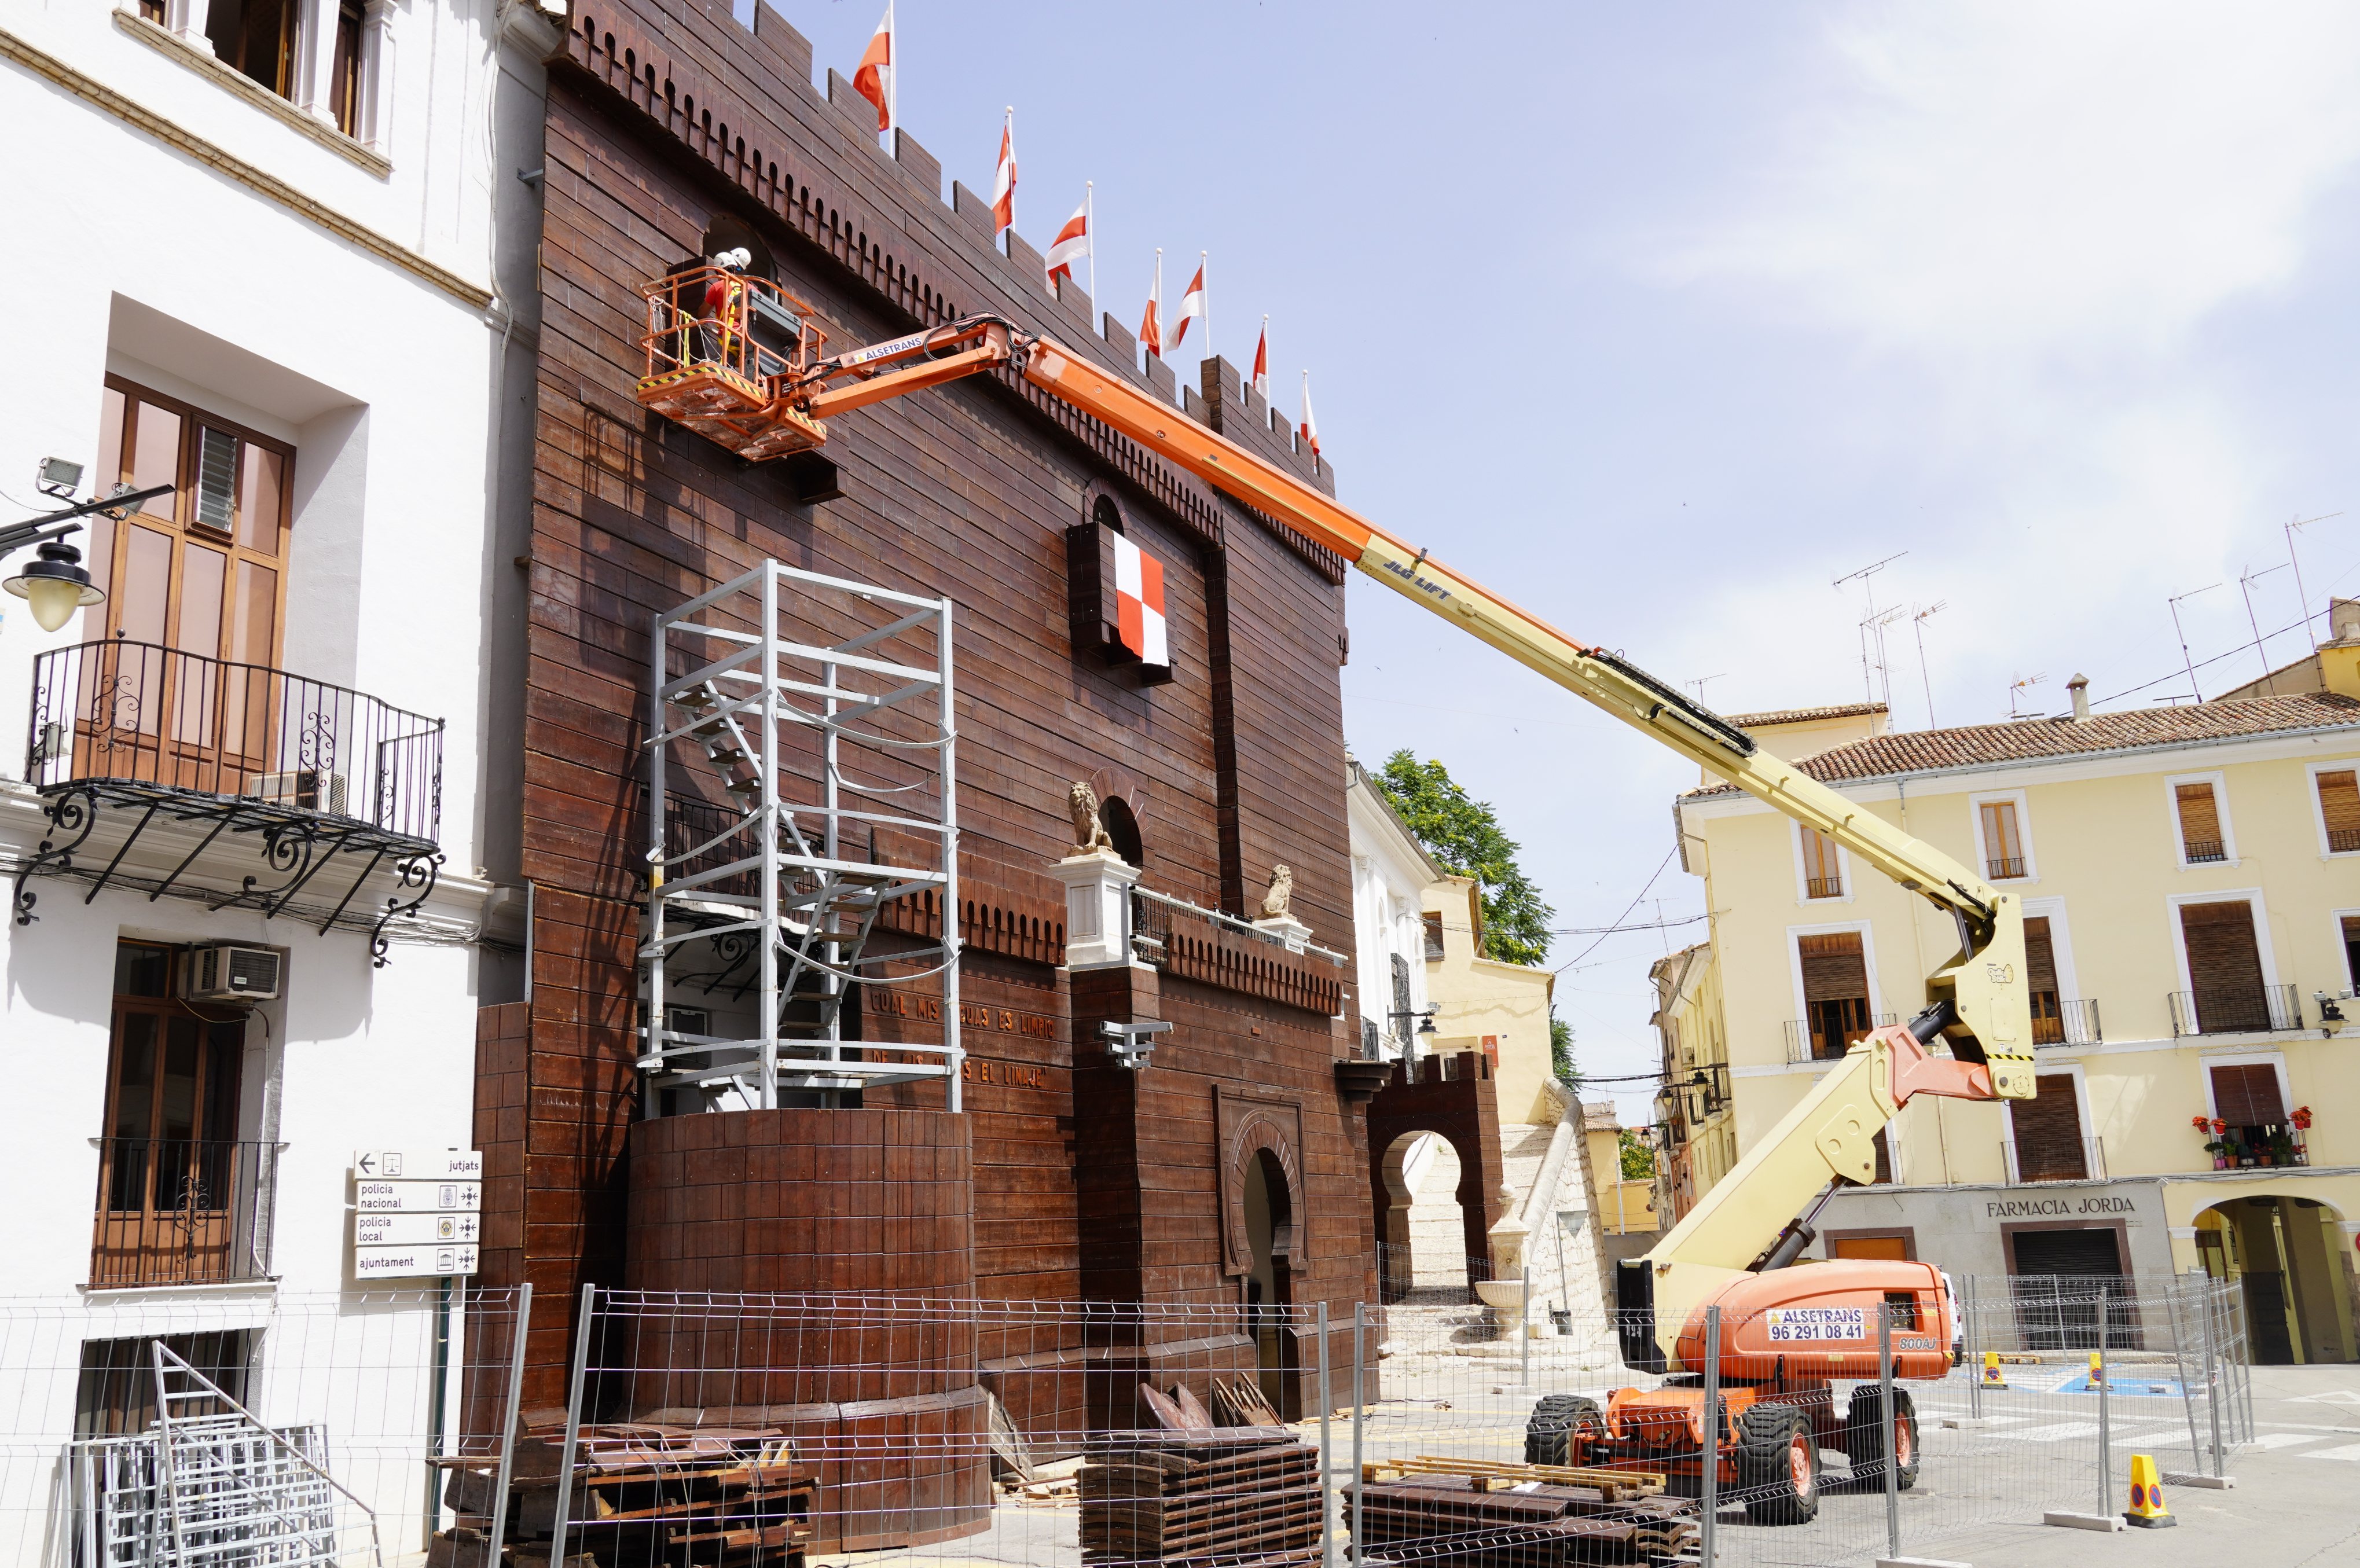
[(1107, 515), (1124, 828)]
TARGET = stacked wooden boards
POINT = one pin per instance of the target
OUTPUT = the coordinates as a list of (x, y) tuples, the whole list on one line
[(643, 1496), (1501, 1521), (1201, 1498)]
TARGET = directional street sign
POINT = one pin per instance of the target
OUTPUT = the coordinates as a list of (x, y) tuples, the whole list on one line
[(416, 1212), (415, 1230), (401, 1262), (416, 1197), (415, 1165)]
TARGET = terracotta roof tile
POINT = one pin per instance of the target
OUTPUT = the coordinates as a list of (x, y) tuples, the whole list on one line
[(1976, 746), (1805, 716)]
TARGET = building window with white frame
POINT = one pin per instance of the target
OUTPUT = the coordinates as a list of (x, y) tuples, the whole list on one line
[(2002, 821), (1822, 865), (2203, 838), (2338, 790)]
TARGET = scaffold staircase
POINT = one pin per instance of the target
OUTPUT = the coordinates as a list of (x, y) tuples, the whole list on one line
[(764, 904)]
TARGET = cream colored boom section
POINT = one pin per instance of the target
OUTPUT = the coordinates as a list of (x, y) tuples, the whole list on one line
[(1985, 982)]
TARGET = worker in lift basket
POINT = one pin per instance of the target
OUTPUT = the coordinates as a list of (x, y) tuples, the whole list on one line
[(718, 334)]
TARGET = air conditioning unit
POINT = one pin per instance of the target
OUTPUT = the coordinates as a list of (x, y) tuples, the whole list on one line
[(306, 788), (228, 973)]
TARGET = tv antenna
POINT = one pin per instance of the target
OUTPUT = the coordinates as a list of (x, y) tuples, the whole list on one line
[(1866, 577), (1699, 681), (2022, 684), (2185, 657), (2297, 564), (1921, 618), (2245, 585), (1872, 631)]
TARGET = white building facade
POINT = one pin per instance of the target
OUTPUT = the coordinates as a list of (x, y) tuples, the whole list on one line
[(261, 250), (1390, 872)]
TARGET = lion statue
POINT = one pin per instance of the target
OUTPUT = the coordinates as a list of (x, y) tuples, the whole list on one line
[(1282, 890), (1090, 833)]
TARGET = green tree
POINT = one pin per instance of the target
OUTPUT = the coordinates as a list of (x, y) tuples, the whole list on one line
[(1561, 1052), (1463, 836), (1638, 1158)]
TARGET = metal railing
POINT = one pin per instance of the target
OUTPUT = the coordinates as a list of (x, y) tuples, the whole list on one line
[(2343, 840), (1805, 1044), (2035, 1157), (2065, 1022), (2001, 870), (1823, 888), (1152, 915), (2196, 851), (182, 1211), (139, 714), (2241, 1009), (2265, 1144)]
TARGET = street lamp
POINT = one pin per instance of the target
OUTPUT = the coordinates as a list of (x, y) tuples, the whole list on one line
[(55, 584)]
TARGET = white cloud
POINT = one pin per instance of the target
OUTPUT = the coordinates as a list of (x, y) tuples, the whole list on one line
[(1972, 181)]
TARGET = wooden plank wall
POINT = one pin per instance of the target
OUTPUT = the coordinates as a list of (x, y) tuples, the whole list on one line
[(1234, 766)]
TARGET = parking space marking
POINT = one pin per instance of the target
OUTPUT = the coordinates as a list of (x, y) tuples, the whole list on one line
[(2350, 1452), (2283, 1438), (2059, 1432)]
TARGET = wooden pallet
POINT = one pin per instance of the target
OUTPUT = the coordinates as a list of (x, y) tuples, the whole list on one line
[(1200, 1497), (1499, 1474), (1538, 1525)]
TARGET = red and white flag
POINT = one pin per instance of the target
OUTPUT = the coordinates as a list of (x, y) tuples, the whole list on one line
[(1003, 182), (874, 80), (1262, 361), (1150, 326), (1192, 306), (1310, 426), (1072, 244), (1138, 603)]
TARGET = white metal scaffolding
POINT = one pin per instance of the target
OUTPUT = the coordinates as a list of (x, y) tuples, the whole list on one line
[(835, 763)]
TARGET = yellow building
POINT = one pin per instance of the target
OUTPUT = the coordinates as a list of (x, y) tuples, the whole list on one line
[(1694, 1109), (1626, 1205), (2190, 879), (1481, 1004)]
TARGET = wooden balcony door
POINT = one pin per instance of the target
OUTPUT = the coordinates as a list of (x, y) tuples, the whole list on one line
[(1835, 991), (198, 573), (2224, 966), (170, 1178)]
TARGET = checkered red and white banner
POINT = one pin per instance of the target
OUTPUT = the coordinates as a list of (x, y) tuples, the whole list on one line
[(1139, 599)]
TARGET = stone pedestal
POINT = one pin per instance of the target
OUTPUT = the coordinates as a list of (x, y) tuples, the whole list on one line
[(1097, 907), (1287, 929)]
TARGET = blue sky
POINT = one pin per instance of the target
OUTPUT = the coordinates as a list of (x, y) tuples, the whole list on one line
[(1661, 318)]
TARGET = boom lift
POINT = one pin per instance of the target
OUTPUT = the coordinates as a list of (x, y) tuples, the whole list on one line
[(760, 382)]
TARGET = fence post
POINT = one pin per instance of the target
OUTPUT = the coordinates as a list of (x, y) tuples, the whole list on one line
[(1711, 1491), (1974, 1355), (1892, 1431), (1360, 1411), (437, 1401), (2179, 1365), (573, 1426), (2212, 1377), (2105, 1428), (1524, 1331), (508, 1424), (1327, 1454)]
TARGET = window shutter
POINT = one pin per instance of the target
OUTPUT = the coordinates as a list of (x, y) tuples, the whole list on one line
[(1433, 937), (1819, 862), (2199, 822), (2002, 842), (2039, 955), (1401, 990), (216, 478), (2339, 802), (2048, 1132), (2247, 1094), (2225, 965), (1834, 970)]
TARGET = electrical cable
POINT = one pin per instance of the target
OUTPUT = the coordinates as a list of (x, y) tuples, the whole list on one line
[(1625, 914)]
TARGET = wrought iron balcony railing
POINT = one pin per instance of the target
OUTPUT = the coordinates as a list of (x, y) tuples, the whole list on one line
[(182, 1211), (2003, 870), (2343, 840), (137, 715), (2235, 1009), (1823, 888), (1806, 1041), (2069, 1022), (2197, 851)]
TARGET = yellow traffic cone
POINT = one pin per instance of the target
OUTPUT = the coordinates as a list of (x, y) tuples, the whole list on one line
[(2147, 1509), (1992, 1379)]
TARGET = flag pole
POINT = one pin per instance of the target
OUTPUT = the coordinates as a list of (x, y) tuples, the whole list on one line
[(1261, 353), (1205, 272), (1090, 227), (893, 83)]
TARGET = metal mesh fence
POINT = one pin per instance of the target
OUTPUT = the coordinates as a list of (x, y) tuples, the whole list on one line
[(732, 1432), (282, 1429)]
